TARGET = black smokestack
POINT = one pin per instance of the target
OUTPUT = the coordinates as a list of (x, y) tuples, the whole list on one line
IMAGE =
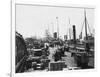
[(74, 34), (55, 34)]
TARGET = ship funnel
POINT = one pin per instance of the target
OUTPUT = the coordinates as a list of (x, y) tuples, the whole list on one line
[(74, 34)]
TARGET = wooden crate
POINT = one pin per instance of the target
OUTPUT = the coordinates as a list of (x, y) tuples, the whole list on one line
[(56, 66)]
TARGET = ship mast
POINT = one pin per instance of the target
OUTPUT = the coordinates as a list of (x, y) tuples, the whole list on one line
[(86, 38), (57, 27), (69, 30), (85, 25)]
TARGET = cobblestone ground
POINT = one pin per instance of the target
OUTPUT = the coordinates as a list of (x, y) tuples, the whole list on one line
[(51, 51), (70, 62)]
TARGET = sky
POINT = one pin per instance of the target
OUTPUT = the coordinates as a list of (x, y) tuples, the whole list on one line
[(33, 20)]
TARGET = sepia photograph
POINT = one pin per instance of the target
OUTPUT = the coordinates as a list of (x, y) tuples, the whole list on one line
[(53, 38)]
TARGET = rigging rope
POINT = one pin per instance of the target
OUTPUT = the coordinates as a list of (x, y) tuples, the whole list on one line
[(89, 27), (80, 36), (83, 26)]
